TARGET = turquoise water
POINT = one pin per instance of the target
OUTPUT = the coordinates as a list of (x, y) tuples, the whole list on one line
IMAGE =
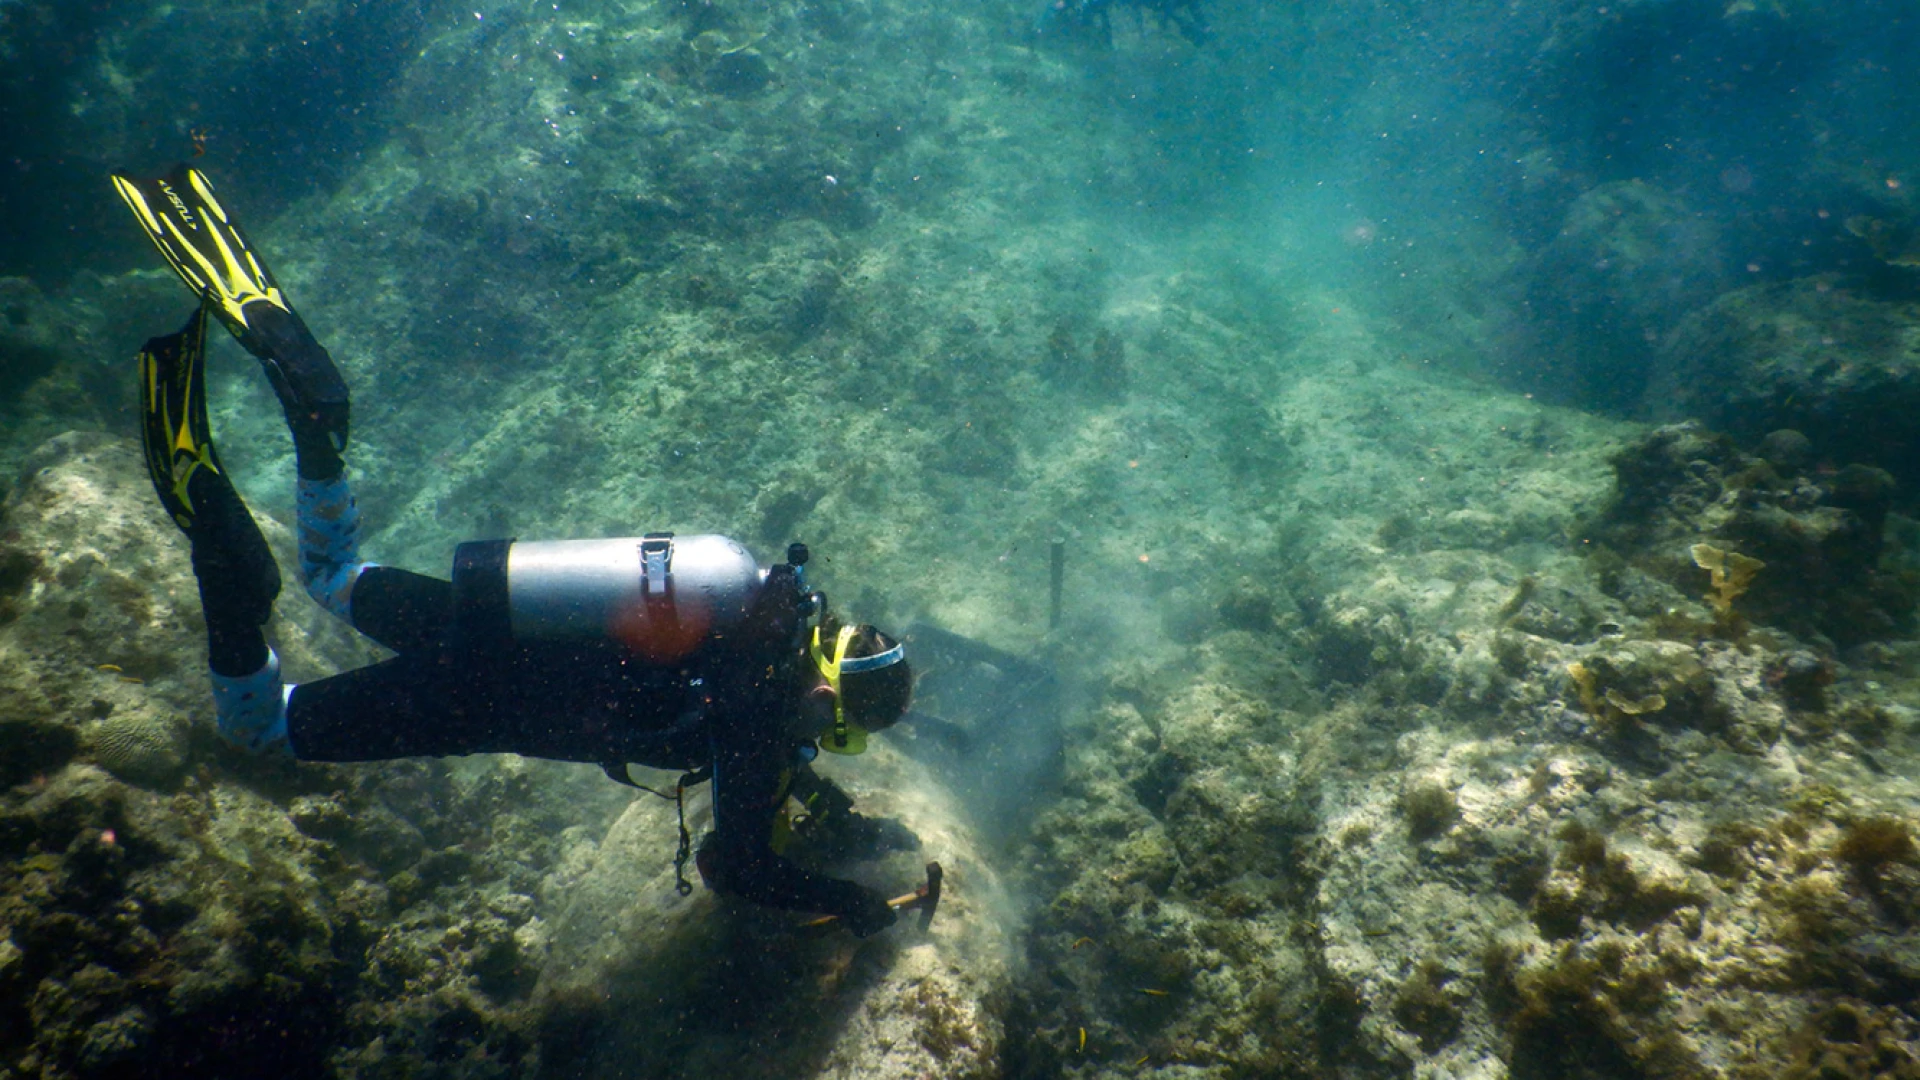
[(1396, 721)]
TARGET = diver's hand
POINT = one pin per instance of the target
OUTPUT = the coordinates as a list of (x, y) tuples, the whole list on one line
[(873, 915), (856, 836), (881, 835)]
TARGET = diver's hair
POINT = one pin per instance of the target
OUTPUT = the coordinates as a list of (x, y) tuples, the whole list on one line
[(877, 699)]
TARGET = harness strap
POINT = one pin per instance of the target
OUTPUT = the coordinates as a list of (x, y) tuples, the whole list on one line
[(617, 772)]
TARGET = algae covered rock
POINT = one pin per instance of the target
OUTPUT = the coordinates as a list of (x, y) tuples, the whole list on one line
[(148, 906), (1689, 504), (169, 904)]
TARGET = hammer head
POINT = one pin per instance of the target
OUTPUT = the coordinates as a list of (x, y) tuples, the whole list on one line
[(930, 894)]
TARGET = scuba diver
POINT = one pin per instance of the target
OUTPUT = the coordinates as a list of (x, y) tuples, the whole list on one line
[(676, 652)]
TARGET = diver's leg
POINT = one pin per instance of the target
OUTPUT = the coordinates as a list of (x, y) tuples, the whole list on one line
[(397, 708), (329, 529), (452, 698), (238, 584), (405, 611), (206, 247), (427, 704), (238, 578), (402, 610)]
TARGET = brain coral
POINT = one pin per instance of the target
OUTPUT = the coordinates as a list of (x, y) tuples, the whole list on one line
[(140, 747)]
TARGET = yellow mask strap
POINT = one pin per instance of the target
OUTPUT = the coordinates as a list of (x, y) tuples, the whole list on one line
[(845, 738)]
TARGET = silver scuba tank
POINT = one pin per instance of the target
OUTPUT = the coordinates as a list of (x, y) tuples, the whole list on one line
[(661, 595)]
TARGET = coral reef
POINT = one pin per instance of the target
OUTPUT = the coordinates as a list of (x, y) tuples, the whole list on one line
[(135, 748)]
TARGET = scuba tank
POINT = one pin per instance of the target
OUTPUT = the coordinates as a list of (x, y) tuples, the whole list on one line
[(659, 595)]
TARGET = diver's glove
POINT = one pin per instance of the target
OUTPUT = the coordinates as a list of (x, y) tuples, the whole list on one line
[(873, 915)]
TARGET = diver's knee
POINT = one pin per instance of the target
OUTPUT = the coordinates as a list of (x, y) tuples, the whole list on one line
[(331, 585)]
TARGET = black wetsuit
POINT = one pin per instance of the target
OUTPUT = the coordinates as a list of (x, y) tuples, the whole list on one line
[(462, 685)]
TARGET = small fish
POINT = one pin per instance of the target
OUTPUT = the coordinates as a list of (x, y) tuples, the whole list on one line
[(135, 680), (1144, 1058), (1080, 942), (1152, 992), (1083, 1040), (720, 43), (111, 669)]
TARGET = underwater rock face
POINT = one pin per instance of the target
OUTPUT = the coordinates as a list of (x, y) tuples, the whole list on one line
[(1552, 822), (1813, 355), (106, 68), (55, 344), (137, 923), (31, 335), (1628, 262), (640, 981)]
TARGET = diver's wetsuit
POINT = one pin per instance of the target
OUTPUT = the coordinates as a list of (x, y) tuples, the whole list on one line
[(461, 685)]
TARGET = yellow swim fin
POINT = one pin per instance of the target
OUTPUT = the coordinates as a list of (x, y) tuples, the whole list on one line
[(175, 433), (204, 245)]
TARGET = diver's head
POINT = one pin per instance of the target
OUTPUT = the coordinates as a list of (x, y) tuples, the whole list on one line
[(861, 683)]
